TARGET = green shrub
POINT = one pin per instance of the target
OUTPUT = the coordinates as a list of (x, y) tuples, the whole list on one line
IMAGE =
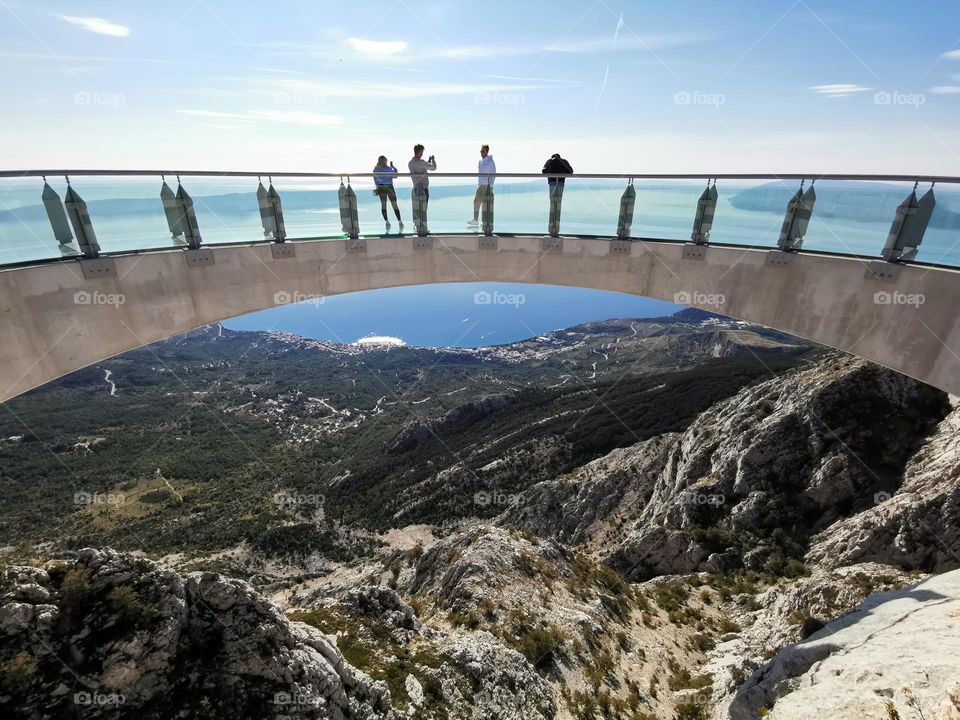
[(17, 673), (76, 588), (542, 646), (682, 679), (702, 643), (726, 625), (131, 607), (671, 595), (690, 711)]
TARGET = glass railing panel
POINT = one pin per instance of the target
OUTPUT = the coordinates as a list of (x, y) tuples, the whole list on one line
[(665, 209), (450, 206), (25, 232), (590, 206), (311, 207), (750, 213), (521, 206), (941, 242), (125, 211), (226, 208), (853, 217)]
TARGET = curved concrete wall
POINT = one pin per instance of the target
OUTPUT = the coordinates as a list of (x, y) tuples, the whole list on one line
[(54, 321)]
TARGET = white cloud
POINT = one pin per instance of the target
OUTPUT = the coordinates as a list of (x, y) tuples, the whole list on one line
[(583, 46), (293, 117), (60, 58), (377, 47), (216, 114), (626, 40), (838, 89), (97, 25), (945, 89), (633, 41), (517, 78), (297, 117), (952, 55), (464, 52), (365, 89)]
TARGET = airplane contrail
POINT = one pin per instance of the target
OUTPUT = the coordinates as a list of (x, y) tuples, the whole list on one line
[(603, 85), (606, 73)]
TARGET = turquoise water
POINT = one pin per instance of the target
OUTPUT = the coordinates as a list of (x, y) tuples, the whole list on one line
[(127, 214)]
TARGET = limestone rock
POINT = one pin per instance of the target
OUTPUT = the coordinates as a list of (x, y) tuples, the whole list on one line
[(896, 646), (763, 470), (127, 638)]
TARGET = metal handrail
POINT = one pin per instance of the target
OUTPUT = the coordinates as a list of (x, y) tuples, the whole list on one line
[(599, 176)]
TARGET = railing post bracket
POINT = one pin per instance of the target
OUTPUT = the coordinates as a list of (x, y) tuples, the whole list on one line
[(281, 250), (96, 268), (197, 257)]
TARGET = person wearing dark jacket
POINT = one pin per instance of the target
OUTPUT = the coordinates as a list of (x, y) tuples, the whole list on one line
[(556, 165)]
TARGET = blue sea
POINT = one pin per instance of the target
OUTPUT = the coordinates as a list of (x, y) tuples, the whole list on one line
[(451, 315)]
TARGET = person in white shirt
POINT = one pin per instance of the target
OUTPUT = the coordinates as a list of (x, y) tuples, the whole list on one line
[(486, 168)]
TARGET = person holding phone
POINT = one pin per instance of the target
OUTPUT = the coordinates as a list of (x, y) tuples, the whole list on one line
[(383, 188), (419, 168)]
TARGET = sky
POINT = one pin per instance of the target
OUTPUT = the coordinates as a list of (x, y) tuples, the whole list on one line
[(681, 86)]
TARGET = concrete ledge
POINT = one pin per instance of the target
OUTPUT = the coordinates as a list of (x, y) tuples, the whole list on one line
[(54, 321)]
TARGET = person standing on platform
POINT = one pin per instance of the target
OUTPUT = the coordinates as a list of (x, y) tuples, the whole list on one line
[(486, 169), (418, 169), (383, 188), (421, 187), (556, 165)]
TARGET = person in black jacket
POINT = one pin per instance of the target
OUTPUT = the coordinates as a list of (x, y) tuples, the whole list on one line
[(556, 165)]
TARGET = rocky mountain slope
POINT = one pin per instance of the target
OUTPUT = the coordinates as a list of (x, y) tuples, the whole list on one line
[(894, 656), (751, 479), (677, 544), (199, 434), (107, 635)]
